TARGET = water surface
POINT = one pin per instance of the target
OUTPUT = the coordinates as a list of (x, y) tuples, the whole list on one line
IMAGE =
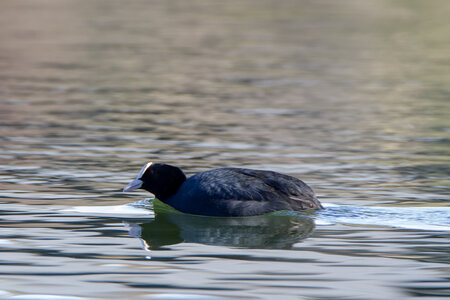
[(350, 96)]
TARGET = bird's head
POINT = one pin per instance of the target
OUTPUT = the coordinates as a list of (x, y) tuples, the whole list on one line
[(159, 179)]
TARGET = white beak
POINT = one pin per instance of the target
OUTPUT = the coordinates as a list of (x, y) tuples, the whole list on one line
[(137, 183), (134, 185)]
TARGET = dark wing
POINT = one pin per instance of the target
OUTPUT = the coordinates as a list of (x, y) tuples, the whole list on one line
[(300, 193), (249, 192)]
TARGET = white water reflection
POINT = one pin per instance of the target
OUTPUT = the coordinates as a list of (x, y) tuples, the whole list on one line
[(418, 218), (112, 211)]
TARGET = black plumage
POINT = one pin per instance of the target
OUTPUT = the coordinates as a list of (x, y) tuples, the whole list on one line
[(226, 191)]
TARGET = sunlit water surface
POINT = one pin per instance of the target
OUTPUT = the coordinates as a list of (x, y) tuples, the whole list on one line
[(350, 96)]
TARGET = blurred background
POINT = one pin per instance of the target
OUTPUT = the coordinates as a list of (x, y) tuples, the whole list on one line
[(350, 96), (339, 91)]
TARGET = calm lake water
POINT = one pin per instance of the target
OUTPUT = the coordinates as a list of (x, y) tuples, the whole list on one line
[(350, 96)]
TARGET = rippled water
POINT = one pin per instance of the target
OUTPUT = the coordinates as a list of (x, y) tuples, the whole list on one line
[(350, 96)]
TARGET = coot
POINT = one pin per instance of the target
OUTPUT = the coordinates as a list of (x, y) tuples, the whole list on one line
[(225, 192)]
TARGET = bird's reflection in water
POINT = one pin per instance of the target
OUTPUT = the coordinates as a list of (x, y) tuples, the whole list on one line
[(272, 232)]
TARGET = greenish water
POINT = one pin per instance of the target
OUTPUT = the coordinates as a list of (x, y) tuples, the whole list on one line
[(350, 96)]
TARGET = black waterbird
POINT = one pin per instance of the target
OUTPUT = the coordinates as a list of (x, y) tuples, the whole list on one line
[(225, 192)]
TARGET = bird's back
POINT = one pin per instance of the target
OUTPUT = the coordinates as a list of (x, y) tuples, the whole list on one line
[(242, 192)]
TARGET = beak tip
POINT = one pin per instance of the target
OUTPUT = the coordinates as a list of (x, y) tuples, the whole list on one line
[(134, 185)]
